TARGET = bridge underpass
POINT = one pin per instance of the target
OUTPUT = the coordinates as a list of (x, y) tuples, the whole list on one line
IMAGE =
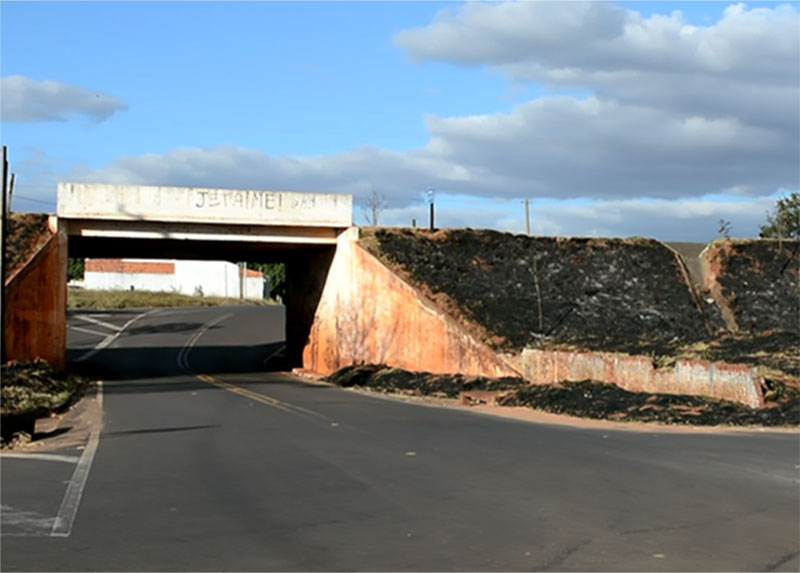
[(298, 229), (343, 305)]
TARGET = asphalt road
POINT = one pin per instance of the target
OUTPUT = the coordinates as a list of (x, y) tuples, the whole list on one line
[(233, 468)]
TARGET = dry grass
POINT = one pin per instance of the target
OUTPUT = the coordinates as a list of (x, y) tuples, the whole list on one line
[(36, 388), (115, 299), (26, 232)]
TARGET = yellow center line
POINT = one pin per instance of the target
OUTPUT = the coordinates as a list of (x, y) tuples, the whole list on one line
[(258, 397), (261, 398)]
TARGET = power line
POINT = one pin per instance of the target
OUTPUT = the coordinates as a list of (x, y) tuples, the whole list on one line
[(42, 201)]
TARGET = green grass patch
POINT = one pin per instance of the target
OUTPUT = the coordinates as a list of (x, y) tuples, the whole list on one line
[(36, 388), (114, 299)]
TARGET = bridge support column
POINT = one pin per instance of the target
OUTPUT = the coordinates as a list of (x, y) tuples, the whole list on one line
[(305, 278)]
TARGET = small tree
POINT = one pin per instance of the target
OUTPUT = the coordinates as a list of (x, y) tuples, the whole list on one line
[(75, 268), (784, 221), (276, 273), (372, 206), (724, 228)]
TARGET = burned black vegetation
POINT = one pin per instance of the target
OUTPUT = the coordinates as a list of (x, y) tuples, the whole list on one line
[(605, 294), (760, 281), (587, 399)]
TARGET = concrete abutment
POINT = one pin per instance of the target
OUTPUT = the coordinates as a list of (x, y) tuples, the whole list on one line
[(36, 302)]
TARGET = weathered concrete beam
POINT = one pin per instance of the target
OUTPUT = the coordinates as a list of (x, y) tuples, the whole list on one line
[(113, 229), (203, 205)]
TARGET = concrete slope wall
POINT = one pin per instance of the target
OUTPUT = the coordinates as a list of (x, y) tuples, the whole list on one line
[(367, 314), (36, 299)]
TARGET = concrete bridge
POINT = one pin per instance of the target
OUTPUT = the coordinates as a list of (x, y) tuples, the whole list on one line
[(344, 305), (116, 221)]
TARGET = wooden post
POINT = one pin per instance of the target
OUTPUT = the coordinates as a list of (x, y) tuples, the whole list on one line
[(431, 216), (3, 225), (10, 194)]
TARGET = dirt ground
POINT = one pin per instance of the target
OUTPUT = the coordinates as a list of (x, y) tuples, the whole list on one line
[(26, 232), (584, 399)]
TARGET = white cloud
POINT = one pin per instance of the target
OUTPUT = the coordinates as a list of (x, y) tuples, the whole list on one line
[(24, 99), (567, 40), (694, 219), (745, 68), (676, 113)]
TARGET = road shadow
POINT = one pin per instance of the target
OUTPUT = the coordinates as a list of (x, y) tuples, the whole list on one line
[(157, 369), (123, 433), (168, 328)]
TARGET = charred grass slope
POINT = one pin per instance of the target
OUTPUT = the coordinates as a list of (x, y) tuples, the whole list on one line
[(586, 398), (760, 283), (515, 291)]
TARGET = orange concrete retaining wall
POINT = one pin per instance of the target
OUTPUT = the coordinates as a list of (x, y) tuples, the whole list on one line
[(367, 314), (736, 382), (36, 302)]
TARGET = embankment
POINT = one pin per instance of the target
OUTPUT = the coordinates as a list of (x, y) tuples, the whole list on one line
[(627, 311), (756, 284), (626, 295)]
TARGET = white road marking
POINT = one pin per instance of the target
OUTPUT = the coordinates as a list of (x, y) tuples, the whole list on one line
[(274, 354), (62, 526), (90, 318), (112, 337), (31, 523), (42, 457), (87, 331), (183, 355)]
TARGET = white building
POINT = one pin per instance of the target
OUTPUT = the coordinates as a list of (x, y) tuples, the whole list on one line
[(206, 278)]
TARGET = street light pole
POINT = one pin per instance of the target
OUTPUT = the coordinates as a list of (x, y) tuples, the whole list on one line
[(527, 218)]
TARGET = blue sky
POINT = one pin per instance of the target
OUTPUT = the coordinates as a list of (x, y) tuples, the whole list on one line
[(350, 97)]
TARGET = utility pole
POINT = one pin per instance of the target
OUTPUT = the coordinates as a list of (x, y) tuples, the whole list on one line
[(527, 218), (10, 194), (3, 228), (431, 197)]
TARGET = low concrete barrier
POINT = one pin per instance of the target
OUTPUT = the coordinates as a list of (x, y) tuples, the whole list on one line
[(736, 382)]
